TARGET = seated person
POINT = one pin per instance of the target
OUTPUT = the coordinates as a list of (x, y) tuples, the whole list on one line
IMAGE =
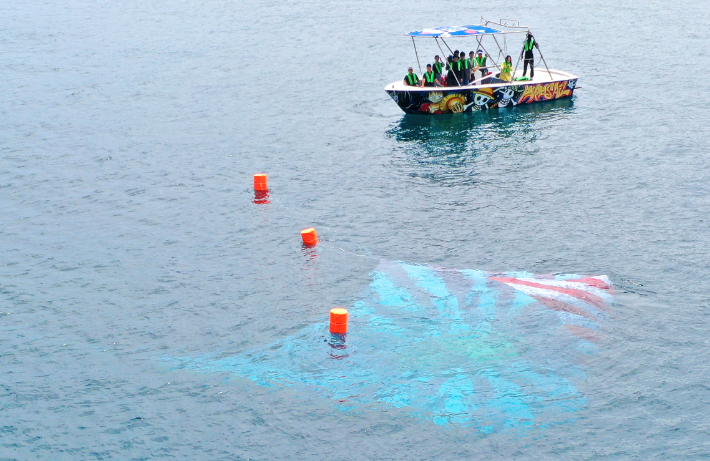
[(411, 78), (506, 69), (430, 78)]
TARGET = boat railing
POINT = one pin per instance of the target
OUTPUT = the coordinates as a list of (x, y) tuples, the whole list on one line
[(508, 23)]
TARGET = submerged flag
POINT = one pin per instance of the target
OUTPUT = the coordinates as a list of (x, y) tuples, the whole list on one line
[(465, 347)]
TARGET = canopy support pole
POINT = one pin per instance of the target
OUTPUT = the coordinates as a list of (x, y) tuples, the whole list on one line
[(484, 49), (543, 60), (447, 62), (417, 54), (447, 45), (502, 53), (512, 77)]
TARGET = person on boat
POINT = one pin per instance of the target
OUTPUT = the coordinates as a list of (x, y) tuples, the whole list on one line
[(438, 66), (430, 78), (528, 46), (450, 75), (459, 70), (480, 64), (472, 62), (467, 64), (411, 78), (506, 69)]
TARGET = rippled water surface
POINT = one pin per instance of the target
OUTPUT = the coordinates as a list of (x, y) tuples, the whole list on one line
[(128, 138)]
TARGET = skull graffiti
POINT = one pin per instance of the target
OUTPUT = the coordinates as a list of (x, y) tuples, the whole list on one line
[(481, 99), (506, 92)]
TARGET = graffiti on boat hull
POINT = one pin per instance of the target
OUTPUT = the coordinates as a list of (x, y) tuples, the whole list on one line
[(460, 100), (545, 92)]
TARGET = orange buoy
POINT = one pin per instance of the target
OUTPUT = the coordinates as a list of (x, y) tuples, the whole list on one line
[(260, 182), (309, 236), (339, 320)]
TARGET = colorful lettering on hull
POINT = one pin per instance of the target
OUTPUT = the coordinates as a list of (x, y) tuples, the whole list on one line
[(545, 92)]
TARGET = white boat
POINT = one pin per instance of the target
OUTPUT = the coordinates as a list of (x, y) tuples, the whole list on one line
[(488, 92)]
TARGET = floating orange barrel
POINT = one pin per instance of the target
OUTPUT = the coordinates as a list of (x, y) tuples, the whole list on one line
[(260, 182), (309, 236), (339, 320), (261, 197)]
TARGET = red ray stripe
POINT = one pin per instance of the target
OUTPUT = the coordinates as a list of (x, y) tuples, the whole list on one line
[(592, 282), (579, 294), (562, 306)]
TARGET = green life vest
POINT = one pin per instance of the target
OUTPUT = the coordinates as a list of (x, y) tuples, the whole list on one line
[(438, 67), (467, 63), (458, 64), (506, 67), (529, 43), (412, 78), (429, 76), (481, 62)]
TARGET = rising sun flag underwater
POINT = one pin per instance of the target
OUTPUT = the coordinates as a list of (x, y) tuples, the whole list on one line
[(493, 351)]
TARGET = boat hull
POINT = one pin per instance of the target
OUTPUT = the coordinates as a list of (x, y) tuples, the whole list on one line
[(445, 100)]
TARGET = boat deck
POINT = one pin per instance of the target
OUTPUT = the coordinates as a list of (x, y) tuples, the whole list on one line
[(541, 76)]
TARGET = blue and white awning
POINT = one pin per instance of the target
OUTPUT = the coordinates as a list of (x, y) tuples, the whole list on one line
[(454, 31)]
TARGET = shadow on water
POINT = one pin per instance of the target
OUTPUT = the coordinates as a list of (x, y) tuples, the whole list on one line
[(446, 148)]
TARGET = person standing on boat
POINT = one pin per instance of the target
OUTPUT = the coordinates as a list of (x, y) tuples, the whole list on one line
[(450, 75), (467, 64), (430, 78), (411, 78), (459, 70), (438, 66), (528, 46), (472, 70), (480, 64), (506, 69)]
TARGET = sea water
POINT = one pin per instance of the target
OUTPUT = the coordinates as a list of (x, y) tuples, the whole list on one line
[(131, 243)]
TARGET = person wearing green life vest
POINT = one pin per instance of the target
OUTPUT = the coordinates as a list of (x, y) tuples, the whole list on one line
[(479, 63), (472, 72), (430, 78), (528, 46), (450, 74), (467, 64), (411, 79), (506, 69), (438, 66), (459, 69)]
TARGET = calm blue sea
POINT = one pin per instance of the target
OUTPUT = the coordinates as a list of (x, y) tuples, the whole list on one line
[(129, 240)]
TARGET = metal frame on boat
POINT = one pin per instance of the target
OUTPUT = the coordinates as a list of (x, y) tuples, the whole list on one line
[(486, 92)]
